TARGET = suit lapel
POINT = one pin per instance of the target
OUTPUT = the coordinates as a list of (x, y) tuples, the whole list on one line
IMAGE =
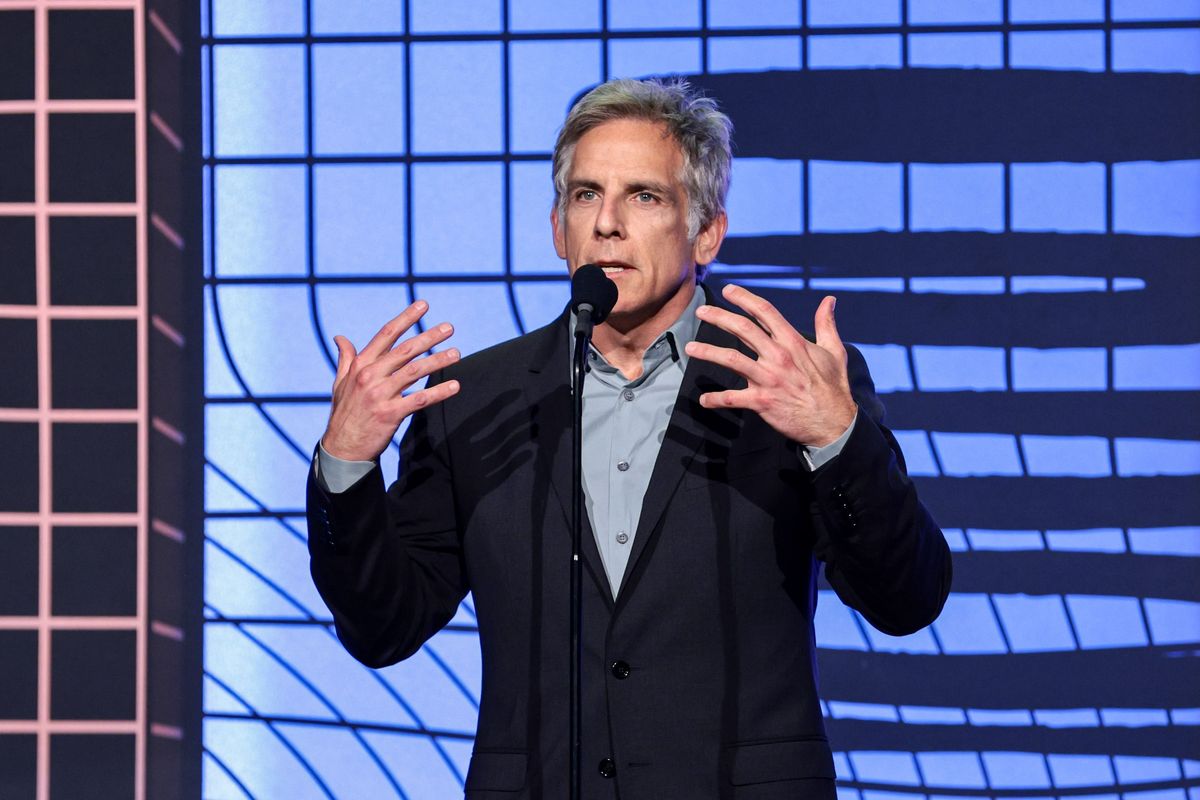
[(690, 426), (548, 392)]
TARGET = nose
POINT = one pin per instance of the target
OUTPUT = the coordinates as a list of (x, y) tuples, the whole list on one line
[(610, 222)]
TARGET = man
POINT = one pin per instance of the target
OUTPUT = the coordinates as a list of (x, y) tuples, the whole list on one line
[(723, 456)]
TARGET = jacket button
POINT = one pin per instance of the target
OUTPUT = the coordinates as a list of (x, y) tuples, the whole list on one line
[(607, 768), (620, 670)]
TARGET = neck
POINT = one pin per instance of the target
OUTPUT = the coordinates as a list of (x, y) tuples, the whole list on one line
[(623, 340)]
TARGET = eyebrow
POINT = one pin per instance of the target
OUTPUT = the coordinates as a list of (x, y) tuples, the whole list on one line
[(649, 186)]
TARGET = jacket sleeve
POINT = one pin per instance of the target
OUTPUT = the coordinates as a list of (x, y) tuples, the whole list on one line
[(884, 555), (388, 562)]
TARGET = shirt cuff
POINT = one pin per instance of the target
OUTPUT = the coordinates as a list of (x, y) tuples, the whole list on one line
[(817, 457), (336, 475)]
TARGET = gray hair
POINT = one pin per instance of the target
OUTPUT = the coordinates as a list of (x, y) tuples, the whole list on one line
[(700, 129)]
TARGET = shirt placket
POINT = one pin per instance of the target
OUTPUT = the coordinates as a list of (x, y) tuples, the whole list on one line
[(620, 509)]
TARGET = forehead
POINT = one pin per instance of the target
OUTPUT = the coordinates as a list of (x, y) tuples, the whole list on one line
[(627, 146)]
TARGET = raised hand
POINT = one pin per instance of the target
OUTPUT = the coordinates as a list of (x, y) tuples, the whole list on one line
[(368, 390), (799, 388)]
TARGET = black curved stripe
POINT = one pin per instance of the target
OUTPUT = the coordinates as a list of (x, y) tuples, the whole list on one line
[(1150, 677), (1025, 503), (962, 115)]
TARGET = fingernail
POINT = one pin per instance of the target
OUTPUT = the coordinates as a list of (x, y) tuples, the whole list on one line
[(453, 353), (445, 328), (420, 305)]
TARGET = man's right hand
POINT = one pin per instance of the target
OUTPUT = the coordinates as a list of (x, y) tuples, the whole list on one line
[(368, 391)]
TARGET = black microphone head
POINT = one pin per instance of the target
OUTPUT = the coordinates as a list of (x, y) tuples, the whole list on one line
[(591, 287)]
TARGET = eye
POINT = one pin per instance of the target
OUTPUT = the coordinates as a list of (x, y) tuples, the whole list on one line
[(646, 197), (585, 194)]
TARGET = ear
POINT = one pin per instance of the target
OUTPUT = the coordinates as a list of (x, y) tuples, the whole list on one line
[(560, 235), (708, 241)]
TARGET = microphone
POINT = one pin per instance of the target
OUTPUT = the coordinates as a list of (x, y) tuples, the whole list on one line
[(593, 296)]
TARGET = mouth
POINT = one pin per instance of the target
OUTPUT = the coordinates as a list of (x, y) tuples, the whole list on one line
[(612, 268)]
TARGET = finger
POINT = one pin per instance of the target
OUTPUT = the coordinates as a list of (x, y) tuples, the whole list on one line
[(825, 326), (429, 396), (753, 336), (761, 309), (727, 357), (346, 355), (418, 368), (410, 349), (382, 341), (730, 398)]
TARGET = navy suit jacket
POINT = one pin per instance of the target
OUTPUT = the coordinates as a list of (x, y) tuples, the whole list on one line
[(700, 678)]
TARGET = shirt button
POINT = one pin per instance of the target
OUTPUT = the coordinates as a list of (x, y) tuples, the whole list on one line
[(607, 768), (620, 670), (627, 394), (622, 537), (623, 465)]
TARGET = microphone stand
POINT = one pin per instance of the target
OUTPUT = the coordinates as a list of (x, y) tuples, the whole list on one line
[(583, 338)]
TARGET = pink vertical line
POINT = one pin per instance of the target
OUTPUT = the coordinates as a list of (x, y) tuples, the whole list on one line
[(143, 345), (41, 198)]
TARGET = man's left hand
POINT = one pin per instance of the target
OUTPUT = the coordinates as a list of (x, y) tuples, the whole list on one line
[(798, 387)]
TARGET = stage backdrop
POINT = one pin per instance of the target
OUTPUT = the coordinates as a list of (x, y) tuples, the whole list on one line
[(1004, 195)]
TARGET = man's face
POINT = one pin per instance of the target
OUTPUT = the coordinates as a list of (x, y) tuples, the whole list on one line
[(626, 211)]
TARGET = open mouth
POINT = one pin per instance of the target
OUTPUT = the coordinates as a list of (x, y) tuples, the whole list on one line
[(612, 269)]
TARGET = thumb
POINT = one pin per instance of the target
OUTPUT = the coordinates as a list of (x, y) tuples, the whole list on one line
[(346, 354), (826, 326)]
